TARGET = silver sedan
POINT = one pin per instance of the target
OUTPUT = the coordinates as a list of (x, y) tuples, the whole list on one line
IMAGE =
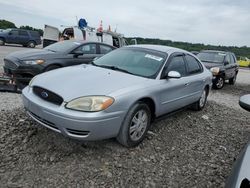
[(119, 94)]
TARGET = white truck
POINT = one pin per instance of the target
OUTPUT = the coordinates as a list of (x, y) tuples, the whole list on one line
[(52, 35)]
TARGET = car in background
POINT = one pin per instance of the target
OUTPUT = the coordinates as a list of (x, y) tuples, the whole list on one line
[(222, 64), (24, 65), (27, 38), (119, 94), (240, 176)]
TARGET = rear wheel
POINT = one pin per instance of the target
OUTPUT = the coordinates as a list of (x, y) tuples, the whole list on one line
[(219, 83), (135, 125), (2, 42), (51, 67), (201, 103), (31, 44)]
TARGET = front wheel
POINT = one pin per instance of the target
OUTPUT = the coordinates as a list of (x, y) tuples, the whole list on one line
[(219, 83), (200, 104), (2, 42), (135, 125)]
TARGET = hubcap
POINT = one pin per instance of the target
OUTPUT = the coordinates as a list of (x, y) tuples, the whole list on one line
[(220, 83), (203, 99), (138, 125), (32, 45)]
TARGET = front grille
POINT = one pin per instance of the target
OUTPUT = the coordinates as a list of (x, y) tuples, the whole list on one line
[(9, 64), (77, 132), (48, 123), (48, 95)]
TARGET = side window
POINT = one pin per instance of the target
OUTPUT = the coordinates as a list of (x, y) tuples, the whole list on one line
[(227, 59), (177, 64), (193, 65), (232, 59), (105, 49), (23, 33), (14, 32), (87, 49)]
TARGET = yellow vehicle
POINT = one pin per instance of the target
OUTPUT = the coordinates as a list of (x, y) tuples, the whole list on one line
[(244, 62)]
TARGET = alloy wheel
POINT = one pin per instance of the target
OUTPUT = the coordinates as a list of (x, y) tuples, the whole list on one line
[(138, 125)]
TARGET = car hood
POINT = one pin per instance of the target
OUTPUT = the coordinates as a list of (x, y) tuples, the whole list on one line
[(84, 80), (211, 64), (30, 54)]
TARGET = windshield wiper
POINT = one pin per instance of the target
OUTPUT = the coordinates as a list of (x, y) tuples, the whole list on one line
[(112, 68), (51, 50)]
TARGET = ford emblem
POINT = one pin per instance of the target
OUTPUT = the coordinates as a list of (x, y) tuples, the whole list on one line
[(44, 94)]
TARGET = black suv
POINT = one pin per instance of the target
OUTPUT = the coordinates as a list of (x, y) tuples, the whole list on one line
[(222, 64), (26, 38)]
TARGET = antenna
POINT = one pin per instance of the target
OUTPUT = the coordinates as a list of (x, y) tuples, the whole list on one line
[(76, 20)]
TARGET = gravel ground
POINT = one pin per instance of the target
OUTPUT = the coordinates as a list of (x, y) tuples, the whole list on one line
[(188, 149)]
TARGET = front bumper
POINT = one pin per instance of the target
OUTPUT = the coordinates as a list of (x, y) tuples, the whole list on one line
[(77, 125), (21, 73)]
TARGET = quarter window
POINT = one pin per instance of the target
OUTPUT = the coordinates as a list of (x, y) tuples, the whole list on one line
[(23, 33), (177, 64), (193, 65), (105, 49)]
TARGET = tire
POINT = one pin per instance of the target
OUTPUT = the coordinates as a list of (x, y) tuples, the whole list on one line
[(201, 103), (51, 67), (233, 80), (131, 133), (2, 42), (31, 44), (219, 83)]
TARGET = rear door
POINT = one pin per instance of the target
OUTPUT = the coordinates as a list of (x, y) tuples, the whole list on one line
[(195, 79), (50, 35), (23, 37)]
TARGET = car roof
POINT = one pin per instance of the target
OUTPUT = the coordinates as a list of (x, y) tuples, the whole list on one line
[(86, 42), (161, 48), (215, 51)]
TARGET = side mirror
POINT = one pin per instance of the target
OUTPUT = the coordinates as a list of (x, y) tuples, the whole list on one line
[(174, 74), (245, 102), (226, 63), (77, 53)]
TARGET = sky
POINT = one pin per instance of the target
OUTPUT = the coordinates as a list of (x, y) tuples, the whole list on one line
[(216, 22)]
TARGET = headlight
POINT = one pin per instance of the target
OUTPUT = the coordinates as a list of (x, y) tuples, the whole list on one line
[(90, 103), (215, 70), (30, 83), (34, 62)]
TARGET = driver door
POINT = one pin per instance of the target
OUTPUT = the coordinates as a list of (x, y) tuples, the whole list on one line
[(83, 54), (173, 91)]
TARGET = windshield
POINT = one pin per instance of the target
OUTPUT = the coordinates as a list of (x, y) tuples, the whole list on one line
[(136, 61), (211, 57), (6, 30), (62, 46)]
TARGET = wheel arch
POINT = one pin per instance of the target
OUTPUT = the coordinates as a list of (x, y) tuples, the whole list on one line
[(151, 104)]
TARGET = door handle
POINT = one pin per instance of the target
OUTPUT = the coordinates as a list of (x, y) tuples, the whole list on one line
[(186, 84)]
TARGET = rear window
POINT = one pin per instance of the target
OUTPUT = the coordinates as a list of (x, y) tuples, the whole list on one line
[(193, 65), (34, 34), (212, 57)]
